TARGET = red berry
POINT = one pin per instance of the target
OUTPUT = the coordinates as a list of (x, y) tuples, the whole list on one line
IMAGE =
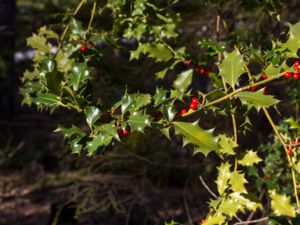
[(198, 70), (264, 76), (202, 71), (203, 221), (193, 106), (195, 100), (253, 88), (183, 111), (287, 74), (266, 90), (290, 151), (186, 62), (296, 64), (83, 49), (125, 132), (294, 142), (296, 76)]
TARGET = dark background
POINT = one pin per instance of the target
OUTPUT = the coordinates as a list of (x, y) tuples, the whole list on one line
[(145, 180)]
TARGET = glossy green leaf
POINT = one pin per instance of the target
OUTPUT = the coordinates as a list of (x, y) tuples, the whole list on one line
[(183, 80), (160, 96), (231, 68), (133, 102), (249, 159), (69, 132), (92, 114), (293, 41), (76, 28), (80, 74), (223, 177), (76, 145), (203, 140), (281, 205), (48, 99), (47, 65), (138, 121), (109, 129), (98, 141), (257, 99)]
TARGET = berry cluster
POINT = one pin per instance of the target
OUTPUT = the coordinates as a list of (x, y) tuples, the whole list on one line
[(198, 69), (296, 72), (85, 46), (193, 105)]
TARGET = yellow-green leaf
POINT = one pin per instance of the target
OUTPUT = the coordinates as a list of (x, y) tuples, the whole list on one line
[(249, 159), (227, 145), (223, 177), (281, 205), (237, 182)]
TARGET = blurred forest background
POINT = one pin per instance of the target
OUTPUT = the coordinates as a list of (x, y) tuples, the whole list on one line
[(145, 180)]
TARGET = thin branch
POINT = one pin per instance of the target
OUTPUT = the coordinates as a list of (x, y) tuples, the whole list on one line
[(92, 17), (207, 188), (287, 155), (252, 221)]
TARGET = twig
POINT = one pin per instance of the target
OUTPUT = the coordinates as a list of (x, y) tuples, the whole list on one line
[(92, 17), (207, 188), (251, 221)]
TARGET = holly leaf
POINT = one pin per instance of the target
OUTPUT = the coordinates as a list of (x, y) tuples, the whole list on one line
[(69, 132), (138, 121), (216, 219), (249, 159), (76, 145), (229, 207), (39, 43), (203, 140), (293, 41), (281, 205), (109, 129), (133, 101), (98, 141), (223, 177), (80, 74), (237, 182), (183, 80), (48, 99), (160, 96), (92, 114), (257, 99), (232, 67), (227, 145)]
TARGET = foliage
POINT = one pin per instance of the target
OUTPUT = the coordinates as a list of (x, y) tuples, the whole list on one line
[(64, 80)]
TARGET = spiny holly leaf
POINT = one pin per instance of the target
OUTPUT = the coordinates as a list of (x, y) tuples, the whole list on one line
[(68, 132), (245, 203), (249, 159), (109, 129), (76, 145), (47, 99), (227, 145), (257, 99), (138, 121), (232, 67), (183, 81), (216, 219), (169, 111), (92, 114), (203, 140), (133, 101), (215, 203), (223, 177), (97, 142), (160, 96), (39, 43), (281, 205), (76, 28), (47, 65), (64, 63), (48, 33), (237, 182), (80, 74), (229, 207), (293, 42), (159, 52), (271, 70)]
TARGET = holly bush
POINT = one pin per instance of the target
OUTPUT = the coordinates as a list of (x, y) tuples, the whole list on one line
[(239, 67)]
